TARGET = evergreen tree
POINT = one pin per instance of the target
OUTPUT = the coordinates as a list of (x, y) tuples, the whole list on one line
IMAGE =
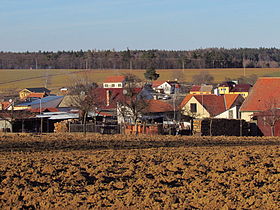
[(151, 74)]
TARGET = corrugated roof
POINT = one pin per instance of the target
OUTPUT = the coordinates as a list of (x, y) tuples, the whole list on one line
[(46, 102), (263, 95)]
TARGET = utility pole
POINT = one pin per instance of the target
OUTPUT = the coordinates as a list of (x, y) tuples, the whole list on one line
[(41, 124), (36, 63)]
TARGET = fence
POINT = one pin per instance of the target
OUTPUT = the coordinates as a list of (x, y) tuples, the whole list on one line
[(104, 129)]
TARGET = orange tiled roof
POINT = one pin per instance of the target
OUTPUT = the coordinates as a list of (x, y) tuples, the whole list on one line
[(157, 83), (263, 94), (212, 103), (185, 100), (158, 106), (114, 79), (5, 104), (230, 99)]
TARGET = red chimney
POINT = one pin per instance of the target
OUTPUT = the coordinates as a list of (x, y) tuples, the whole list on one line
[(108, 97)]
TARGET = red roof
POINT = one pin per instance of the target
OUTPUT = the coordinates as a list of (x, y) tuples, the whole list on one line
[(157, 83), (263, 95), (113, 79), (51, 109), (230, 99), (214, 104), (107, 98), (241, 88), (158, 106), (36, 95), (4, 105), (195, 88)]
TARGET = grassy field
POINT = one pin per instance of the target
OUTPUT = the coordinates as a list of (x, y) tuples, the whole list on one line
[(56, 78)]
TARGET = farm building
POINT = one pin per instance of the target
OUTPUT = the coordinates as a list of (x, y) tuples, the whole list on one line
[(38, 92), (114, 82)]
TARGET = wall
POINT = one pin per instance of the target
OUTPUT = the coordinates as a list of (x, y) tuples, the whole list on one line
[(201, 112), (5, 124), (115, 84), (246, 116), (225, 114)]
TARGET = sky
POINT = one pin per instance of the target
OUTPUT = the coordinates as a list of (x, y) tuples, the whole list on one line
[(52, 25)]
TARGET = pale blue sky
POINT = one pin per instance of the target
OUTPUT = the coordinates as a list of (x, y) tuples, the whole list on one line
[(137, 24)]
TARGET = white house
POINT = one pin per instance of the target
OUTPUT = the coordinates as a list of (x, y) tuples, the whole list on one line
[(167, 87), (114, 82)]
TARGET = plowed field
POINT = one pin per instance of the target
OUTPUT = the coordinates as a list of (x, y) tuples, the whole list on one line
[(179, 172)]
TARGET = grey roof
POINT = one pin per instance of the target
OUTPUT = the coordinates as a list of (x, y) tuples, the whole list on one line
[(46, 102), (38, 90)]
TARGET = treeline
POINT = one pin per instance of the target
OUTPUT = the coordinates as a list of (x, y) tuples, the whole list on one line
[(142, 59)]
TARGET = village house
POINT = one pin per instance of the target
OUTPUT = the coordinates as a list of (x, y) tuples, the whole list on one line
[(39, 92), (204, 106), (154, 111), (201, 89), (264, 95), (167, 87), (114, 82), (233, 88)]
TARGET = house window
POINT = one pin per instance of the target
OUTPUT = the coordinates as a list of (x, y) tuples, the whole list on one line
[(119, 85), (230, 114), (106, 85), (193, 108), (113, 85)]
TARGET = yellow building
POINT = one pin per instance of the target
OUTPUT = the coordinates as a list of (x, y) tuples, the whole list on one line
[(28, 91), (201, 89)]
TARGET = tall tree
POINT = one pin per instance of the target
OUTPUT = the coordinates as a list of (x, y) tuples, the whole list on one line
[(151, 74)]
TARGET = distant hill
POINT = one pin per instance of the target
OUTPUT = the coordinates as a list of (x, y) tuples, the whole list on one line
[(142, 59)]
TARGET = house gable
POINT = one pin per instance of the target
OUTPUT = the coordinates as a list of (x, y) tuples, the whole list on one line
[(114, 82), (201, 112)]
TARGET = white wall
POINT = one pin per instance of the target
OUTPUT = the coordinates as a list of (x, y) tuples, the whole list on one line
[(113, 85), (225, 114), (166, 87), (246, 116), (5, 124)]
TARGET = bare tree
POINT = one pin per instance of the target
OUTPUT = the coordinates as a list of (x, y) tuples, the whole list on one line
[(272, 114), (132, 104), (204, 77), (84, 97), (177, 75)]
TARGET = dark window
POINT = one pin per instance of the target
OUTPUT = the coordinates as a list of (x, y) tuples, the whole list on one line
[(230, 114), (193, 108)]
